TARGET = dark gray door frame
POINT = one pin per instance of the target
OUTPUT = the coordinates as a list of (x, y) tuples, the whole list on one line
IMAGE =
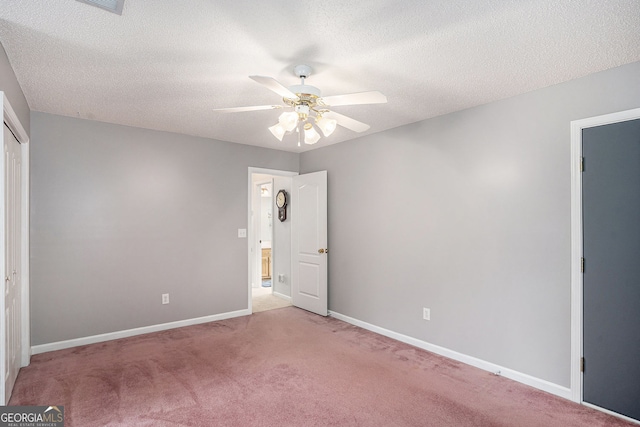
[(576, 239)]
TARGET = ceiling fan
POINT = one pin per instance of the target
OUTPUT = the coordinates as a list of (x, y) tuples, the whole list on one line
[(308, 108)]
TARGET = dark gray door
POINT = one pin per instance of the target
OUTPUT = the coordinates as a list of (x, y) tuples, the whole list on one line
[(611, 219)]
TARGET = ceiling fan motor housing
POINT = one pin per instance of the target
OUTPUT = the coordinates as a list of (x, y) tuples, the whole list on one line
[(305, 90)]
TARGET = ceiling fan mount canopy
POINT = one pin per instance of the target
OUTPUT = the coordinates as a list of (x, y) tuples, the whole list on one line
[(310, 109), (302, 71)]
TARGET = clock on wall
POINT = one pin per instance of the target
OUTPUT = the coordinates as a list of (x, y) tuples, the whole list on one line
[(281, 203)]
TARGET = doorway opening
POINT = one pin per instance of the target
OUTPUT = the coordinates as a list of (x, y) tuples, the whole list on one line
[(269, 242), (265, 232), (262, 295)]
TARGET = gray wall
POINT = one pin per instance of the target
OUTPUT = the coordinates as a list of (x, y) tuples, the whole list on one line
[(120, 215), (467, 214), (10, 86)]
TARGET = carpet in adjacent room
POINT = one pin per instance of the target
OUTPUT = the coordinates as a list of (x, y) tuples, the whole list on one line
[(263, 299)]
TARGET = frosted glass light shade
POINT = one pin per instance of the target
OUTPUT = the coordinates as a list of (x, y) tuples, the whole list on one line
[(278, 131), (310, 134), (327, 126), (288, 121)]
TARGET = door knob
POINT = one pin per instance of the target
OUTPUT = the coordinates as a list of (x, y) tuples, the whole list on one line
[(320, 251)]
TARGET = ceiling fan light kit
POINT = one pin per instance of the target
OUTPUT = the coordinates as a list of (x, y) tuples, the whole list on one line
[(288, 120), (327, 126), (309, 107), (278, 131), (310, 134)]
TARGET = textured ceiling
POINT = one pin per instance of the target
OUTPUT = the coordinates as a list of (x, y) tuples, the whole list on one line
[(166, 64)]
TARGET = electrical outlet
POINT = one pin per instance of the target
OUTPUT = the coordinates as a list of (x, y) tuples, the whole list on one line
[(242, 233), (426, 313), (165, 298)]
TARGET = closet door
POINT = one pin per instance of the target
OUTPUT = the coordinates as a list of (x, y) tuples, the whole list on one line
[(11, 328), (611, 289)]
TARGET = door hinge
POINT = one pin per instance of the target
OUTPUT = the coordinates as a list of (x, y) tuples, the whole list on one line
[(581, 164), (582, 265), (582, 364)]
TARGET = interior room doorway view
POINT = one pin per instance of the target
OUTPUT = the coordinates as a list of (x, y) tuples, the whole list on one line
[(262, 291), (266, 232), (611, 284), (266, 292), (291, 267)]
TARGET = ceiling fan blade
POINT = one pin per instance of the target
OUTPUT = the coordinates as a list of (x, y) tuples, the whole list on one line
[(272, 84), (347, 122), (373, 97), (242, 109)]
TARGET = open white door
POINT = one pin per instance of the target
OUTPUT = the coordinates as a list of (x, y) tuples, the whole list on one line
[(309, 242)]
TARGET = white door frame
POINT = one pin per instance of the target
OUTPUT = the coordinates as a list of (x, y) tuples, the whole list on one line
[(251, 234), (10, 117), (576, 241)]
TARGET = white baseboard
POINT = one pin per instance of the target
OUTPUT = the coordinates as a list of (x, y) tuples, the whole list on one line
[(538, 383), (60, 345), (283, 296)]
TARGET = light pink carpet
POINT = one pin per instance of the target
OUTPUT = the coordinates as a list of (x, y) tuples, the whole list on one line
[(283, 367)]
